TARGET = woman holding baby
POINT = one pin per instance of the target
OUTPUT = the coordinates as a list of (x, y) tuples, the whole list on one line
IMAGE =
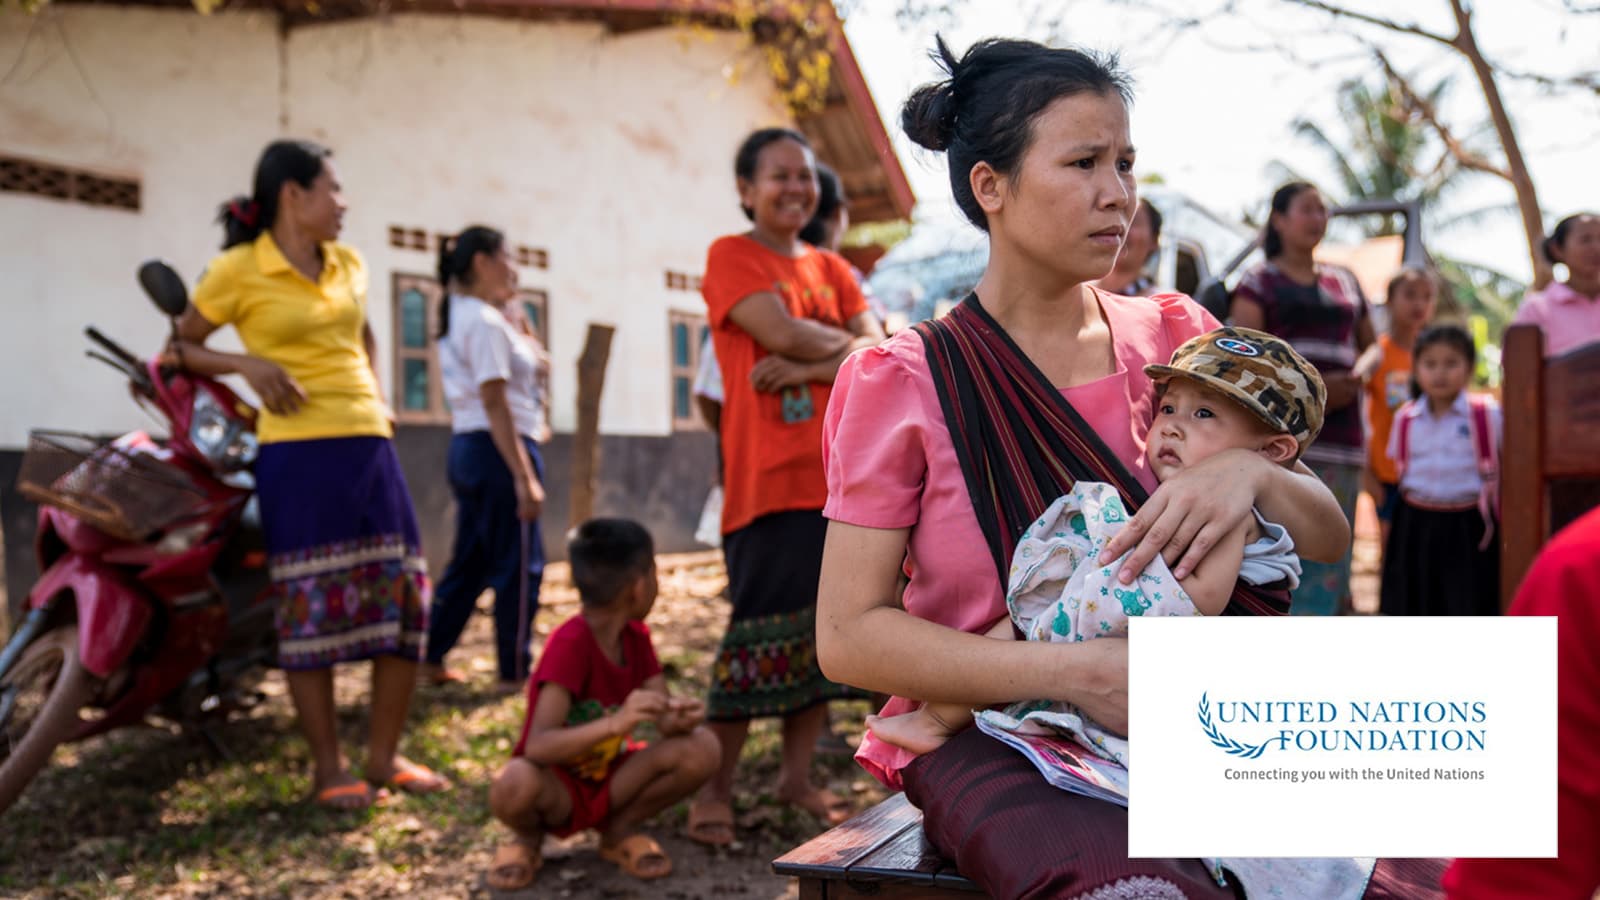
[(1034, 382)]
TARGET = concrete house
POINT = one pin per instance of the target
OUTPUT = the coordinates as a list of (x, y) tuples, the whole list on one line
[(598, 135)]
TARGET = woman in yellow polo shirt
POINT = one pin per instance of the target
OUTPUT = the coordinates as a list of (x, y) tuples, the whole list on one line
[(344, 553)]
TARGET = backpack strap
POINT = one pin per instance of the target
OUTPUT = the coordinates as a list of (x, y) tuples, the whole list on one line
[(1402, 421), (1483, 437), (1485, 448)]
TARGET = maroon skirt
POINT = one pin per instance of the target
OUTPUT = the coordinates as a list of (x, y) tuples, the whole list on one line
[(985, 807)]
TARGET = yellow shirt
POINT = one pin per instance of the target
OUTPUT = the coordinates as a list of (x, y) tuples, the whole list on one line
[(312, 330)]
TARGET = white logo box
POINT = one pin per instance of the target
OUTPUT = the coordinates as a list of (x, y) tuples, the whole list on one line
[(1349, 736)]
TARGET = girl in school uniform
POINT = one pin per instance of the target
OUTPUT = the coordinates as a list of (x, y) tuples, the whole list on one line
[(1442, 558), (496, 375)]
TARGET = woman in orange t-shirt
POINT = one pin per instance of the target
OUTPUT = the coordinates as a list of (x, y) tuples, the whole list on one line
[(783, 315)]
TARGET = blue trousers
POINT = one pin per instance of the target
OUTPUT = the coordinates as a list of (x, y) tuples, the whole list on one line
[(493, 549)]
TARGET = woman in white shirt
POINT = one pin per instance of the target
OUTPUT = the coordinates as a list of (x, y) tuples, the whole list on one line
[(495, 374)]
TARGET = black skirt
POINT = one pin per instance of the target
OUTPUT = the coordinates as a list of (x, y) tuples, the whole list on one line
[(767, 664), (1432, 565)]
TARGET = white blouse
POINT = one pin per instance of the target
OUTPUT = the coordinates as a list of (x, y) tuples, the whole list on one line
[(484, 346)]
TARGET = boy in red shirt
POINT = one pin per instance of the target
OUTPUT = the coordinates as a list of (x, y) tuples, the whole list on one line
[(576, 765)]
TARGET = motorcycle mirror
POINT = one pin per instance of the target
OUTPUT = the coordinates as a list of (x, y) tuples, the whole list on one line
[(164, 286)]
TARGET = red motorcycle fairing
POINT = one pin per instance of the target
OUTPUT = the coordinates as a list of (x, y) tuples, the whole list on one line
[(112, 610), (192, 638)]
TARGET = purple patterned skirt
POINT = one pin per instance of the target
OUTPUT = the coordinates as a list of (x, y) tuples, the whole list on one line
[(343, 551)]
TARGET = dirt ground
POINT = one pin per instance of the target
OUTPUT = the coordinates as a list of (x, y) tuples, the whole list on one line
[(154, 813)]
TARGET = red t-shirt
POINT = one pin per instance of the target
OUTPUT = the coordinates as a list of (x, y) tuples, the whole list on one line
[(573, 659), (770, 465), (1564, 582)]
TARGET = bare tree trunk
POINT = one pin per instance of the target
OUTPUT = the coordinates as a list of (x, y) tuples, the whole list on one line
[(586, 441), (1521, 181)]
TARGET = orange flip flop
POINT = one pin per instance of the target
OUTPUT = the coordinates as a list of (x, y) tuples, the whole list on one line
[(415, 778), (329, 796)]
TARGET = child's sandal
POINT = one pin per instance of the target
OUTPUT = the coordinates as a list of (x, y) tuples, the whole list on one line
[(633, 855), (514, 867)]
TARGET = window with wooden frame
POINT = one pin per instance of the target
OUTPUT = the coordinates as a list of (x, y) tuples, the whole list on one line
[(418, 388), (686, 335), (536, 306)]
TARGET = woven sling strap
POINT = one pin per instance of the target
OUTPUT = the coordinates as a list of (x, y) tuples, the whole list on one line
[(1019, 441)]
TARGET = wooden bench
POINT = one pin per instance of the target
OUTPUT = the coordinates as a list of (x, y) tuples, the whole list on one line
[(880, 853)]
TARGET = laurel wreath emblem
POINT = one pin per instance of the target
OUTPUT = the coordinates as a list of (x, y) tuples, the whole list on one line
[(1233, 747)]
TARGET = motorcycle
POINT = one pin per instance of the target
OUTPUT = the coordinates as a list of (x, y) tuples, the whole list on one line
[(153, 592)]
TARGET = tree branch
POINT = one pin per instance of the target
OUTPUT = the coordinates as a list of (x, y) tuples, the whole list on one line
[(1588, 81), (1465, 156), (1388, 24)]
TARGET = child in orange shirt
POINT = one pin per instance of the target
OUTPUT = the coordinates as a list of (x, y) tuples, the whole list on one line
[(1385, 370), (577, 765)]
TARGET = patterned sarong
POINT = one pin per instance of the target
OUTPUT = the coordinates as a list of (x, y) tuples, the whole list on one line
[(343, 551)]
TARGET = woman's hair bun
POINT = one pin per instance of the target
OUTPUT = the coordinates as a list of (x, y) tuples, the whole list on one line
[(929, 115)]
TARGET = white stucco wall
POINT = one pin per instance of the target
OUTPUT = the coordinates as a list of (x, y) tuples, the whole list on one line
[(612, 152), (181, 102)]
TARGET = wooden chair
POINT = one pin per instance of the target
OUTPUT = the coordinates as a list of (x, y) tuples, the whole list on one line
[(1550, 467)]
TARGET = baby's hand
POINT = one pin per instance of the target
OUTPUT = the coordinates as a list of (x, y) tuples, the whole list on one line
[(923, 730)]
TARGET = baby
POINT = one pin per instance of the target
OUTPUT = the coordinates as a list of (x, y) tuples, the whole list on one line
[(1231, 388)]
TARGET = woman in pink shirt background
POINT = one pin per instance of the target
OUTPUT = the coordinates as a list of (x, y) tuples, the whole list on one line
[(1569, 311)]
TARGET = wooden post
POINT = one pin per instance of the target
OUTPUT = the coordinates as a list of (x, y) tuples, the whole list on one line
[(586, 441), (1525, 516)]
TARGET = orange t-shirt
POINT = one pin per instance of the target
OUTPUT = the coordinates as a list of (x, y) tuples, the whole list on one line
[(771, 465), (1387, 389)]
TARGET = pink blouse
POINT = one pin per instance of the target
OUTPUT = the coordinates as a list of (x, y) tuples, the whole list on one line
[(890, 464), (1568, 318)]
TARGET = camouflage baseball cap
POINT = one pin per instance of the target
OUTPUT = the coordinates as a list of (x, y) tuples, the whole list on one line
[(1263, 373)]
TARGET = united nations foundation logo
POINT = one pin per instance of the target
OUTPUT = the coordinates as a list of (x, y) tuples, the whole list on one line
[(1229, 745), (1248, 728)]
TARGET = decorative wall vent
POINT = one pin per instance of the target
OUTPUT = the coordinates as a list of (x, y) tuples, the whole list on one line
[(406, 238), (678, 281), (26, 176)]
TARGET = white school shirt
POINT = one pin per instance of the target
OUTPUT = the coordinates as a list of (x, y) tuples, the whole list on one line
[(483, 346), (708, 379), (1443, 468)]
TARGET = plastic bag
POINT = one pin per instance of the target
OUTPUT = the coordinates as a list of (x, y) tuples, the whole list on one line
[(709, 531)]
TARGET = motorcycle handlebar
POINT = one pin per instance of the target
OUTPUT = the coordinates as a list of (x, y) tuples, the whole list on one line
[(134, 364), (113, 347)]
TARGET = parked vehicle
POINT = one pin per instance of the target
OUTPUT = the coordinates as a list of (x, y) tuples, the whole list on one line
[(152, 592)]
